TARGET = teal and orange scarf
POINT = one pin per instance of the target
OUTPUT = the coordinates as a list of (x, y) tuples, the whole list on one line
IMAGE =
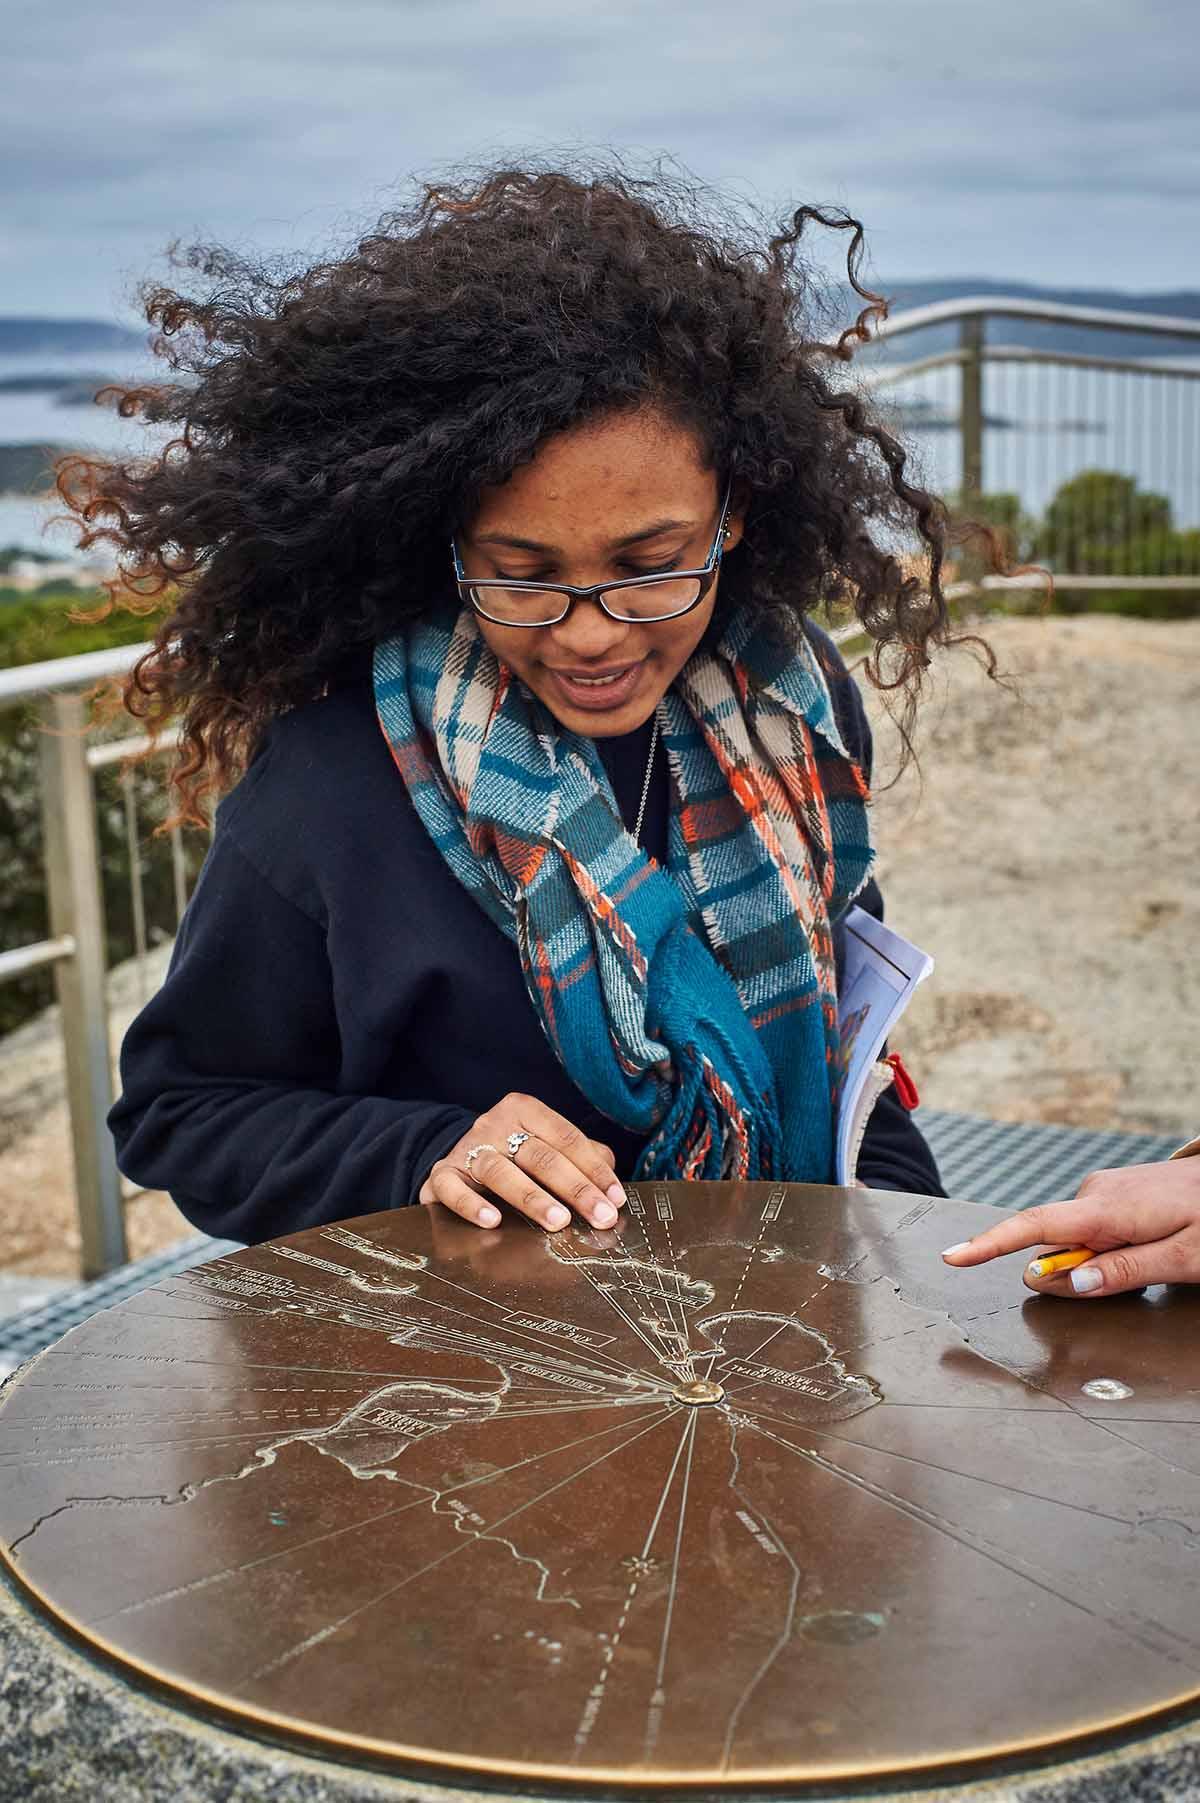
[(697, 1005)]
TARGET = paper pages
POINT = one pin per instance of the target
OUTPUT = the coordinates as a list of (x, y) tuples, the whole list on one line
[(881, 972)]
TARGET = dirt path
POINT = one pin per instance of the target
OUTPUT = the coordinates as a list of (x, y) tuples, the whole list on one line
[(38, 1231), (1048, 855)]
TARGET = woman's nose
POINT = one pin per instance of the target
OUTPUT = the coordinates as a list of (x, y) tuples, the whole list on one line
[(589, 633)]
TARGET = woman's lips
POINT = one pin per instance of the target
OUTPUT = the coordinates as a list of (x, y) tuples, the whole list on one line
[(598, 696)]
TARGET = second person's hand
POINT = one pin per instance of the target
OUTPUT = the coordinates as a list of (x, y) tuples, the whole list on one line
[(554, 1169), (1141, 1224)]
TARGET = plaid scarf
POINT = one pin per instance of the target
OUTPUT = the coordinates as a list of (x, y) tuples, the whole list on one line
[(696, 1005)]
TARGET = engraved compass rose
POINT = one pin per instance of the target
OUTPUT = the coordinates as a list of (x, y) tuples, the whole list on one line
[(639, 1566)]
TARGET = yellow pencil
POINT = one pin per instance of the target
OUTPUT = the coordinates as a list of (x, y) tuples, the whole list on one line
[(1060, 1261)]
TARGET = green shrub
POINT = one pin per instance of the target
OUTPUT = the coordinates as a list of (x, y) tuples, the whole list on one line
[(1099, 523), (37, 627), (1141, 604)]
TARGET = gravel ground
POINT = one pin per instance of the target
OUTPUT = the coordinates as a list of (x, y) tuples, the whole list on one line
[(38, 1231), (1048, 855), (1046, 852)]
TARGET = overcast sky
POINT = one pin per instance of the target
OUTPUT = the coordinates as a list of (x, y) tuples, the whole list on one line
[(1051, 141)]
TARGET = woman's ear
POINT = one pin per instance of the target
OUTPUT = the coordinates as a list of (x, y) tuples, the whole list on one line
[(735, 520)]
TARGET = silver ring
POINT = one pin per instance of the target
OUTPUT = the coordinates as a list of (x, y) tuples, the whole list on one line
[(515, 1141), (474, 1151)]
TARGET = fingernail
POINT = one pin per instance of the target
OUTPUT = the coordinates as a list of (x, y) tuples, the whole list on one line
[(1085, 1278), (488, 1216), (604, 1214), (616, 1195), (558, 1216), (951, 1250)]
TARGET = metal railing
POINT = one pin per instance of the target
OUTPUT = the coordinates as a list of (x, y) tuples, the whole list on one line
[(1150, 429), (75, 946), (1092, 460)]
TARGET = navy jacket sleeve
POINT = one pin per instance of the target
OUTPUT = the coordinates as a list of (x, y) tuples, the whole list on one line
[(894, 1154), (231, 1072)]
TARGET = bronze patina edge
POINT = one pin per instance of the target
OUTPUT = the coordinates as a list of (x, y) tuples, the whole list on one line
[(392, 1757)]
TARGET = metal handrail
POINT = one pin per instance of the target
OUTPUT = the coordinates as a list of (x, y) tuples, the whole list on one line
[(1166, 405), (890, 373), (35, 956), (997, 306), (76, 947), (25, 682)]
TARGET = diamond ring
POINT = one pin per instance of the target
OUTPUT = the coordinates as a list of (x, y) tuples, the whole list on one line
[(474, 1152), (515, 1141)]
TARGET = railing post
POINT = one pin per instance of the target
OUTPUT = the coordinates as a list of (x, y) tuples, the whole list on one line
[(971, 408), (76, 908)]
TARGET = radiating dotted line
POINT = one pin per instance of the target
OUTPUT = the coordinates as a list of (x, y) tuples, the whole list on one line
[(687, 1332), (746, 1272)]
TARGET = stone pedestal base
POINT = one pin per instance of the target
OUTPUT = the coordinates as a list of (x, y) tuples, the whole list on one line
[(74, 1731)]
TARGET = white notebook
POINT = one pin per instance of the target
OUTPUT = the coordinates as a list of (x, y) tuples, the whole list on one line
[(881, 972)]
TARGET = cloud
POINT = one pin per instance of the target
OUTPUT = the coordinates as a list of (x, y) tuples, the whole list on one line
[(1024, 135)]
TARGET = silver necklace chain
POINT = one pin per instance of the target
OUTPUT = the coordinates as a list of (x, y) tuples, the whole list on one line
[(641, 813)]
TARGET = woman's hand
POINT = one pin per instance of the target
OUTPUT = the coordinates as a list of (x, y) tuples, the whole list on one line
[(555, 1164), (1142, 1223)]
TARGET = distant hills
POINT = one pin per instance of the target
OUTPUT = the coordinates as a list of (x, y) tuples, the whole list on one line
[(28, 469), (1183, 303), (69, 391), (35, 337)]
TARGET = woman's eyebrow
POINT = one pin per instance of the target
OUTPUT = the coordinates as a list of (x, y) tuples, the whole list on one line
[(659, 527), (618, 544)]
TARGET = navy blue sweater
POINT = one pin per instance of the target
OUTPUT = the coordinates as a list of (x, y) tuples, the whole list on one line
[(338, 1010)]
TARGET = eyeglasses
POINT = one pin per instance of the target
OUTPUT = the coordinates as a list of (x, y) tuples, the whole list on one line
[(638, 601)]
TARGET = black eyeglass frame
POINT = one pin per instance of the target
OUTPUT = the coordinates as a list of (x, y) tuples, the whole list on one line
[(467, 585)]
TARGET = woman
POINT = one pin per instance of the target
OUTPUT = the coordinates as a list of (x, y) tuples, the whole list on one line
[(492, 548)]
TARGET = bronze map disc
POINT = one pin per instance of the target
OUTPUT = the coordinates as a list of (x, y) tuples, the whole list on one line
[(750, 1490)]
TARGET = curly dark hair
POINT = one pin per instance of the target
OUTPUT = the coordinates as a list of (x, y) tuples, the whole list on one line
[(335, 425)]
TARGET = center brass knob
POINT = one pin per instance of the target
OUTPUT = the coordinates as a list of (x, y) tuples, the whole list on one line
[(700, 1391)]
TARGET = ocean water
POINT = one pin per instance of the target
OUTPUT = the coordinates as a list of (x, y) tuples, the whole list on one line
[(36, 417), (23, 522)]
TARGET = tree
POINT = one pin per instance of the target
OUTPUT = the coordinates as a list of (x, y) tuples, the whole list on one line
[(1097, 518)]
